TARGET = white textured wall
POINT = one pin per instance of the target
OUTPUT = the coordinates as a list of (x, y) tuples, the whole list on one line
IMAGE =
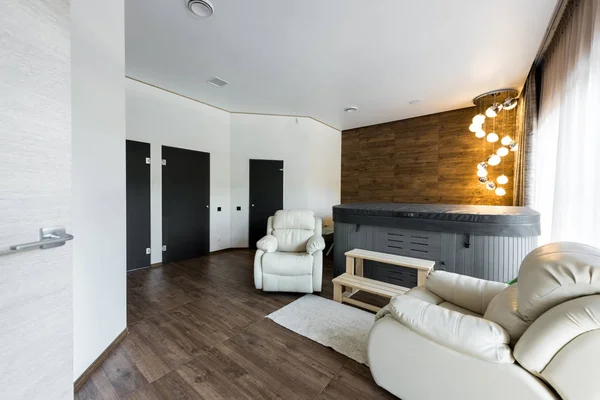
[(311, 153), (161, 118), (98, 99)]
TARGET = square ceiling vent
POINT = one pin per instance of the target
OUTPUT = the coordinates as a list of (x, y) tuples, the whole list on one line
[(218, 82)]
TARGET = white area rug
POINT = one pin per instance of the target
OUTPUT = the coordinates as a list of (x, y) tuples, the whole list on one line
[(343, 328)]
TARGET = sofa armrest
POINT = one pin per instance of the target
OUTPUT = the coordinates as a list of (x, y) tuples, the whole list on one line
[(466, 334), (315, 243), (268, 244), (465, 291)]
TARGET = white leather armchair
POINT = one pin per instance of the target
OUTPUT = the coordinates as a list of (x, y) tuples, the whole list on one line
[(290, 257), (464, 338)]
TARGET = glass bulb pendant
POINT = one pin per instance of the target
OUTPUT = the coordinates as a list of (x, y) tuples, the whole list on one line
[(480, 133), (492, 137), (482, 165), (494, 159), (491, 185), (474, 127), (514, 146), (502, 151), (479, 119), (500, 191), (483, 179), (482, 172), (506, 140), (493, 110), (502, 180)]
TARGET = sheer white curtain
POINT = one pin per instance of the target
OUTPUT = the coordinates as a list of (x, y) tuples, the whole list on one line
[(567, 148)]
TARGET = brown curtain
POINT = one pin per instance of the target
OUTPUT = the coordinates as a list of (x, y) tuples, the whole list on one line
[(526, 127)]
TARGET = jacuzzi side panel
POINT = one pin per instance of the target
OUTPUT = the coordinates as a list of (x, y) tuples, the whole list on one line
[(494, 258)]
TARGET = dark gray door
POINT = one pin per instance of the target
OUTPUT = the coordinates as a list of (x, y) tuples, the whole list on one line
[(266, 196), (185, 203), (138, 204)]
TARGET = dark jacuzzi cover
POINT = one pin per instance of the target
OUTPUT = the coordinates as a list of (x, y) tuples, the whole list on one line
[(476, 220)]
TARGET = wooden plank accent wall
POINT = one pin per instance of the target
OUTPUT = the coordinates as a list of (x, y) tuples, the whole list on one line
[(429, 159)]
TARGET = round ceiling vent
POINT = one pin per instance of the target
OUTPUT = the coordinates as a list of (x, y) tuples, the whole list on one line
[(202, 8)]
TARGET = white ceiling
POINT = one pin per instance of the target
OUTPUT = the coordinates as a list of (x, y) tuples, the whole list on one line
[(316, 57)]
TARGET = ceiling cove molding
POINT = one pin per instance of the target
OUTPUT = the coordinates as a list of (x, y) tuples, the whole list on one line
[(561, 6), (229, 111)]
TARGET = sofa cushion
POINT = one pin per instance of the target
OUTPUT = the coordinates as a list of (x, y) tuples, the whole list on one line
[(294, 219), (466, 334), (287, 264), (503, 311), (292, 228), (420, 292), (293, 240), (464, 291), (552, 331), (555, 273), (453, 307)]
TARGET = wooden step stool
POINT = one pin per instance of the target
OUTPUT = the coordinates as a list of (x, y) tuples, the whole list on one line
[(353, 278)]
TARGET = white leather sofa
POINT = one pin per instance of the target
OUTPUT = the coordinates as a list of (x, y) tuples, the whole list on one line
[(290, 257), (464, 338)]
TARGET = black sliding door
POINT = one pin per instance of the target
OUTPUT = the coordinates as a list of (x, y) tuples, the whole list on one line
[(266, 196), (138, 204), (185, 203)]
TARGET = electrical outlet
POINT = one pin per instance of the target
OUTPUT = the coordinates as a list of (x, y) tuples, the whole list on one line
[(239, 208), (218, 208)]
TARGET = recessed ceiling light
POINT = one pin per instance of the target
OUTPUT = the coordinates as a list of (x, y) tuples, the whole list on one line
[(201, 8), (350, 109), (414, 102), (218, 82)]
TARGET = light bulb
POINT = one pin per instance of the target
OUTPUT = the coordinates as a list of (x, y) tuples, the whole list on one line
[(474, 127), (493, 110), (502, 151), (479, 119), (494, 159), (483, 179), (491, 185), (502, 179), (506, 140), (500, 191), (482, 165), (482, 172), (480, 133), (509, 103), (492, 137)]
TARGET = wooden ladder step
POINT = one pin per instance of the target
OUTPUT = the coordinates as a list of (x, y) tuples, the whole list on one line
[(369, 285), (416, 263)]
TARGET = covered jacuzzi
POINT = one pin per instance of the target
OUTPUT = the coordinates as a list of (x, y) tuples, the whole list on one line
[(487, 242)]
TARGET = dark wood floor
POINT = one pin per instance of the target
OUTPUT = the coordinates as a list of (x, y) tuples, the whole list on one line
[(197, 331)]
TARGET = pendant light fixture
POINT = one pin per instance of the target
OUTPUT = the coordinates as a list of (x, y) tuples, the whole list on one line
[(494, 103), (509, 103), (493, 110), (502, 151)]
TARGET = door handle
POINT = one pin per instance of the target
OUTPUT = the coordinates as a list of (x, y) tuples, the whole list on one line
[(49, 238)]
